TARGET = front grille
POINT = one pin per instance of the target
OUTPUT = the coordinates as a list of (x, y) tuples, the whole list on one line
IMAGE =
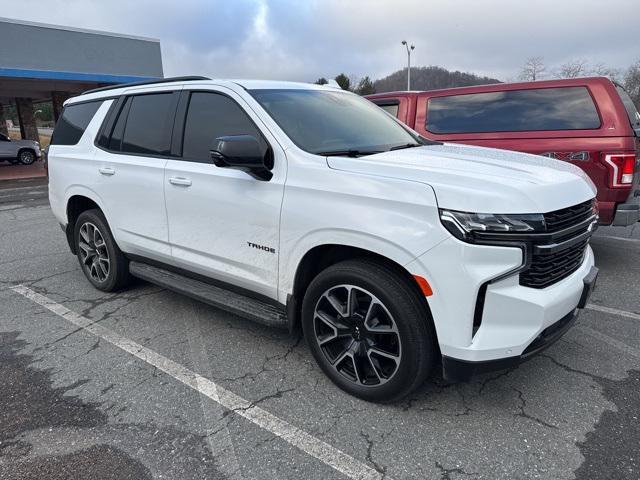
[(567, 217), (547, 269), (551, 264)]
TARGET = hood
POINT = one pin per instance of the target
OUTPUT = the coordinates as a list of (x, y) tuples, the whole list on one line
[(478, 179)]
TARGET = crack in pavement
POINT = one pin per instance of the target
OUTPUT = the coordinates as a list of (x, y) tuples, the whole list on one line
[(381, 469), (445, 473), (524, 414)]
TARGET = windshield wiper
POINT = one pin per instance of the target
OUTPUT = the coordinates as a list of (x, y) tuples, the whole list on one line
[(348, 153), (406, 145)]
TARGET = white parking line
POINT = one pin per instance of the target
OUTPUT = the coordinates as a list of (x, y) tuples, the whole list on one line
[(613, 311), (611, 237), (300, 439), (623, 347)]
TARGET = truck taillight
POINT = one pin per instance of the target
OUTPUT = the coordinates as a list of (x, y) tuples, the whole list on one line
[(621, 167)]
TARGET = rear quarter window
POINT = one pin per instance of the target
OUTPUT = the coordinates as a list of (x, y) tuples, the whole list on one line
[(73, 122), (632, 111), (565, 108), (389, 106)]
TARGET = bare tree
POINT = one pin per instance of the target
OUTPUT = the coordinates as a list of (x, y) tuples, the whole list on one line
[(573, 69), (602, 70), (632, 83), (533, 69)]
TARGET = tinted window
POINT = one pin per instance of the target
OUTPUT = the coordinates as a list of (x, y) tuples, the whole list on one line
[(211, 116), (3, 138), (392, 109), (632, 112), (115, 142), (73, 122), (326, 121), (149, 124), (568, 108)]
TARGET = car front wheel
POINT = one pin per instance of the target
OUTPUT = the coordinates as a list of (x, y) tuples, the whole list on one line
[(369, 330)]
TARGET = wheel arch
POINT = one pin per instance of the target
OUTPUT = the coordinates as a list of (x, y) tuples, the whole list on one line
[(78, 202), (320, 257)]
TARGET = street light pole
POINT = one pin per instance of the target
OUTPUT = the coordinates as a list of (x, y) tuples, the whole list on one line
[(409, 49)]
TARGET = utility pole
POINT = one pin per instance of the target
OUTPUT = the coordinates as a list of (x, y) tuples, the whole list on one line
[(409, 49)]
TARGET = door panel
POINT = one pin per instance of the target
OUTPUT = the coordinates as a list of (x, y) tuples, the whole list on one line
[(214, 214), (131, 188), (6, 147), (130, 173), (223, 223)]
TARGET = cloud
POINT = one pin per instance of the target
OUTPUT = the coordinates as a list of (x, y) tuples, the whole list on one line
[(302, 40)]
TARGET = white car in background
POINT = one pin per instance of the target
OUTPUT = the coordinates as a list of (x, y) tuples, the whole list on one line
[(295, 204), (23, 151)]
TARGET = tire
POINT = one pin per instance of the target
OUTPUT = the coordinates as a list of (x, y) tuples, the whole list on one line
[(26, 157), (102, 262), (381, 349)]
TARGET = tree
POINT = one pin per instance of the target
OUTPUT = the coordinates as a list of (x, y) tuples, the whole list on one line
[(343, 81), (601, 70), (533, 69), (321, 81), (632, 83), (581, 68), (573, 69), (365, 86), (429, 78)]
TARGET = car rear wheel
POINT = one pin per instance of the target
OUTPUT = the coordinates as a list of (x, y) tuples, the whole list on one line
[(27, 157), (369, 330), (102, 262)]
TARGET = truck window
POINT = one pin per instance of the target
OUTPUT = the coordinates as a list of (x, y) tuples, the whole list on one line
[(632, 112), (389, 105), (73, 122), (148, 126), (210, 116), (565, 108)]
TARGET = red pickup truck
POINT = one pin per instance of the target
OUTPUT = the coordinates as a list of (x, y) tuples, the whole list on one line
[(590, 122)]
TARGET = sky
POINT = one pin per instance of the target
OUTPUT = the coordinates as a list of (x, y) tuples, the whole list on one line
[(304, 40)]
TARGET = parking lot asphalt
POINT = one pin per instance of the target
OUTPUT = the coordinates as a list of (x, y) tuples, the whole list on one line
[(148, 384)]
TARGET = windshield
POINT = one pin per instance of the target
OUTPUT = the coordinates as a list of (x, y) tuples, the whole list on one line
[(327, 122), (632, 112)]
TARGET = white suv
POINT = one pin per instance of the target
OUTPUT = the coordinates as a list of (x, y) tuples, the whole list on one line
[(302, 204)]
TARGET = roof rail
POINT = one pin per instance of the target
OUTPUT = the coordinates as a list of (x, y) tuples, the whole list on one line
[(146, 82)]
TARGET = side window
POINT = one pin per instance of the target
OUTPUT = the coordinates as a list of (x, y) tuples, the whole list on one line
[(148, 126), (115, 142), (390, 106), (73, 122), (3, 138), (212, 115), (538, 109)]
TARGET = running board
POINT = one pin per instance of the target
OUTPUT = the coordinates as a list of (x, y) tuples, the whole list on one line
[(241, 305)]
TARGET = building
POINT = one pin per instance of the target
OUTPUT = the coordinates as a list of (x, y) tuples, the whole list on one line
[(41, 62)]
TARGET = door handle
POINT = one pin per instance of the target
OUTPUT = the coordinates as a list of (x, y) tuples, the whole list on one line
[(181, 181), (106, 170)]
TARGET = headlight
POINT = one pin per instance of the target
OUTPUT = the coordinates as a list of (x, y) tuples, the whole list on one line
[(462, 225)]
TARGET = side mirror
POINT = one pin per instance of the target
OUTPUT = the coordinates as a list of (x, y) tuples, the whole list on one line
[(241, 152)]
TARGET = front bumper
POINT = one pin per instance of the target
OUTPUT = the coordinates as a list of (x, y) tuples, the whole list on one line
[(512, 316), (456, 370)]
